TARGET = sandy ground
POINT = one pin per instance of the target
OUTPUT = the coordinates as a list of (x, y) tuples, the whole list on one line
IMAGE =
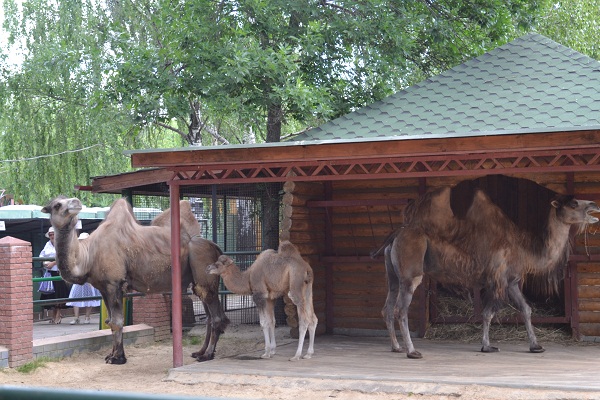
[(147, 368)]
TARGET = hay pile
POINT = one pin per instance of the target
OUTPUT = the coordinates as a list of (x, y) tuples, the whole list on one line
[(449, 305)]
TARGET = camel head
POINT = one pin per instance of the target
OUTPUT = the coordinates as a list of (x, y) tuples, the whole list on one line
[(219, 266), (572, 211), (63, 212)]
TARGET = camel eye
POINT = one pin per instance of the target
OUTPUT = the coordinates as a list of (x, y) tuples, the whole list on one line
[(573, 204)]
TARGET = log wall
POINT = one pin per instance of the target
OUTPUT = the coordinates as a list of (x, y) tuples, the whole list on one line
[(350, 287), (305, 227)]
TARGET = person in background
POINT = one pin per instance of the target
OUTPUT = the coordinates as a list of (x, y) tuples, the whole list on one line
[(61, 290), (85, 290)]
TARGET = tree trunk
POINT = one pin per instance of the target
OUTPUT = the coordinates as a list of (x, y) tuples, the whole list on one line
[(274, 117)]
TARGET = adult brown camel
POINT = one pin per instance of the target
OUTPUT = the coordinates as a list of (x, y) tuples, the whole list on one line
[(121, 254), (459, 236), (273, 274)]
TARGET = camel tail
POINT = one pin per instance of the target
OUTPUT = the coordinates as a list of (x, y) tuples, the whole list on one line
[(309, 278), (389, 239)]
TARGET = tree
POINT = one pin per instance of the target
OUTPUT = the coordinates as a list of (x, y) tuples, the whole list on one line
[(56, 131), (265, 63), (573, 23), (119, 75)]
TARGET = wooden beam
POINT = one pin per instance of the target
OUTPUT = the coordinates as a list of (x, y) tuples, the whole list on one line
[(298, 151)]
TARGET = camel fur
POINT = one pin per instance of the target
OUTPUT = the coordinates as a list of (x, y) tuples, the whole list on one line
[(121, 255), (473, 243), (273, 274)]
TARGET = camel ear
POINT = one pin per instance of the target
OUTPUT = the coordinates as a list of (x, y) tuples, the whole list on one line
[(555, 204), (45, 210), (222, 259), (229, 261)]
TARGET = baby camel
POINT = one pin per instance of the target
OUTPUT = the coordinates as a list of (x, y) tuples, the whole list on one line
[(273, 274)]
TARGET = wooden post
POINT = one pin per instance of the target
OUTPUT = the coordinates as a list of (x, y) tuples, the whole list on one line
[(16, 300)]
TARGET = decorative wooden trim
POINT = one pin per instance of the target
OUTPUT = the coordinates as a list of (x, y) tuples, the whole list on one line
[(421, 166)]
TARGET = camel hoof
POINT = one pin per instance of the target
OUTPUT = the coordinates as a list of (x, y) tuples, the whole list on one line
[(266, 356), (398, 350), (295, 358), (204, 357), (110, 359), (489, 349), (307, 356), (197, 354), (415, 355), (537, 349)]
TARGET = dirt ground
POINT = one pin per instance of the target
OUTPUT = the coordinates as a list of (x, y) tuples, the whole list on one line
[(147, 368)]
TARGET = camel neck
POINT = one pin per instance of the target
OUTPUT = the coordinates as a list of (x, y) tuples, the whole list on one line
[(236, 280), (67, 253), (557, 242)]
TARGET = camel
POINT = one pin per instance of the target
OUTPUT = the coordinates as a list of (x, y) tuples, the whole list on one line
[(121, 255), (273, 274), (459, 236)]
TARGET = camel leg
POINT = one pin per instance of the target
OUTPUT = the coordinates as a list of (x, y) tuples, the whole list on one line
[(407, 289), (388, 312), (490, 305), (207, 336), (270, 314), (114, 304), (406, 256), (296, 295), (265, 321), (307, 320), (216, 323), (302, 328), (516, 296), (312, 322), (312, 328)]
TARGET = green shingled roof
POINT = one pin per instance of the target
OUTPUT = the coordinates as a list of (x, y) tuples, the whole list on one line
[(531, 84)]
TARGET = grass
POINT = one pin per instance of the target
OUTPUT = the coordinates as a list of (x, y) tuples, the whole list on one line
[(193, 340), (33, 365)]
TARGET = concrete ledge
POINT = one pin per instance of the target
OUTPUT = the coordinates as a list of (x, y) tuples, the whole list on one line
[(593, 339), (69, 345)]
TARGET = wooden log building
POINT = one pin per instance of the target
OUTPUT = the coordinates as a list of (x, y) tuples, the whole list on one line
[(529, 109)]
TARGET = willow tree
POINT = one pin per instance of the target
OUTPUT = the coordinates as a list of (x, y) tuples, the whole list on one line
[(56, 129)]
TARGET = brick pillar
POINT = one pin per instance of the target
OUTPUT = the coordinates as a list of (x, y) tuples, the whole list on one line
[(16, 300), (154, 310)]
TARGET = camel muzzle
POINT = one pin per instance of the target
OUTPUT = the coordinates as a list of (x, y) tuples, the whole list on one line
[(592, 209)]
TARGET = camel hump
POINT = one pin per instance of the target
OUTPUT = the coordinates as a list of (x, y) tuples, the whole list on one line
[(119, 209), (287, 248)]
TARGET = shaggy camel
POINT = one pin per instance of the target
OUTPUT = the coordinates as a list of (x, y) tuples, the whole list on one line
[(273, 274), (459, 236), (122, 254)]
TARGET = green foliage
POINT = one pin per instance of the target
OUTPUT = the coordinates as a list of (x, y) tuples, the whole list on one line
[(101, 77), (573, 23), (33, 365)]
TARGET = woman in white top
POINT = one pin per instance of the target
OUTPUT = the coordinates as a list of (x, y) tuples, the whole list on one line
[(85, 290), (61, 291)]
